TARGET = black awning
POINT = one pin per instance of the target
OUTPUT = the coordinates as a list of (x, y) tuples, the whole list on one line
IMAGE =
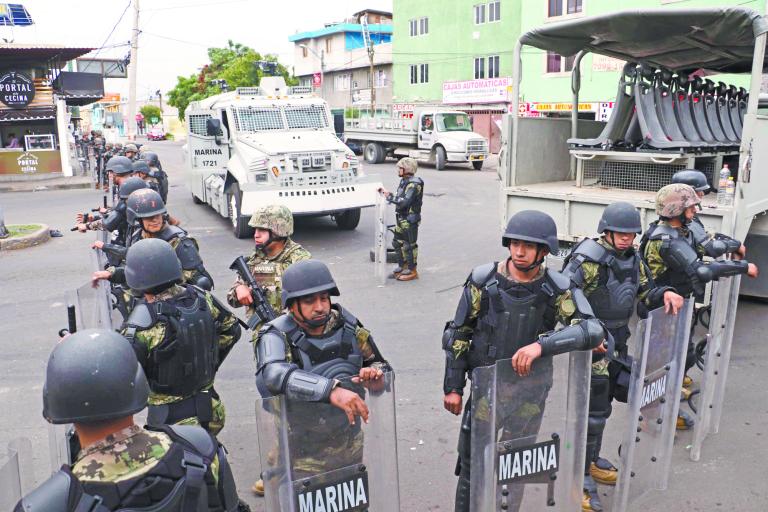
[(31, 114), (79, 88), (716, 39)]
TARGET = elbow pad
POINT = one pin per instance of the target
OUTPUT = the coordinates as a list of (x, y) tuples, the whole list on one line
[(715, 248), (309, 387), (455, 369), (719, 269), (584, 335)]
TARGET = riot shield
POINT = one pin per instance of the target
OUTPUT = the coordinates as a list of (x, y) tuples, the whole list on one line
[(380, 240), (312, 459), (658, 365), (725, 297), (529, 440), (15, 464)]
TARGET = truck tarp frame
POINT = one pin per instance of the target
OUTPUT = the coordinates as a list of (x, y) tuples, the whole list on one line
[(715, 39)]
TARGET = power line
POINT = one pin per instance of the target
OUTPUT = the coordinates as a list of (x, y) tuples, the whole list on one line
[(113, 29), (192, 6)]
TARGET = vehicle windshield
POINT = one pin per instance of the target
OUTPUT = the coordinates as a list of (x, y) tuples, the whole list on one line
[(453, 123), (259, 119)]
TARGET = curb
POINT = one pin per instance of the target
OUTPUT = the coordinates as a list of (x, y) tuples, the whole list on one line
[(42, 188), (40, 236)]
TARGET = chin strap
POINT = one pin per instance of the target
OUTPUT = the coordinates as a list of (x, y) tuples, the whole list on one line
[(312, 323), (539, 260)]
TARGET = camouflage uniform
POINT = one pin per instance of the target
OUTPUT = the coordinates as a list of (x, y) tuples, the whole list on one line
[(226, 327), (407, 201)]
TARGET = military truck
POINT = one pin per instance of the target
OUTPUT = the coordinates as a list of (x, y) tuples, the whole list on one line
[(272, 145), (429, 134)]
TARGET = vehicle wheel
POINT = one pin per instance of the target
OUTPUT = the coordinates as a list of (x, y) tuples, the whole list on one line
[(440, 158), (196, 199), (240, 226), (348, 220), (373, 153), (478, 164)]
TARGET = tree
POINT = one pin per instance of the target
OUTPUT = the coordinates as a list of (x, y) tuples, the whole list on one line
[(151, 112), (238, 65)]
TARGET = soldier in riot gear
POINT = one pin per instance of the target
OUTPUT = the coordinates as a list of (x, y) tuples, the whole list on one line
[(119, 170), (181, 335), (156, 172), (407, 201), (130, 151), (304, 353), (673, 255), (274, 252), (612, 276), (149, 217), (141, 169), (522, 287), (94, 381), (714, 244)]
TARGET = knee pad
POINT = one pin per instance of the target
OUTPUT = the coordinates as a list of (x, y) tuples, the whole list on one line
[(595, 425)]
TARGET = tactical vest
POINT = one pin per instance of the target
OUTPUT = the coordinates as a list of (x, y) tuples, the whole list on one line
[(679, 278), (618, 281), (179, 482), (414, 211), (512, 314), (698, 231), (335, 355), (186, 359)]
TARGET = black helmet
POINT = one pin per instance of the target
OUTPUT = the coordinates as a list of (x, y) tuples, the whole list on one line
[(130, 186), (532, 226), (144, 203), (620, 217), (692, 177), (119, 165), (93, 375), (140, 166), (152, 266), (151, 158), (305, 278)]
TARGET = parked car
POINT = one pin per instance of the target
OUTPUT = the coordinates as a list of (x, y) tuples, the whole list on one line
[(156, 133)]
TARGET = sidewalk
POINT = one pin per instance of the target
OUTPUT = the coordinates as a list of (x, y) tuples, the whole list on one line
[(57, 183)]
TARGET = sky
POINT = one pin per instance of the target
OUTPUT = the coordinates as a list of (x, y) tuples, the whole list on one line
[(176, 33)]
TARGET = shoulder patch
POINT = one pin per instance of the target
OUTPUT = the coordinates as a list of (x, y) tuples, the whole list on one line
[(482, 273)]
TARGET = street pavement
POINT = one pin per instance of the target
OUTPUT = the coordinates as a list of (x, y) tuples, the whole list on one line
[(460, 229)]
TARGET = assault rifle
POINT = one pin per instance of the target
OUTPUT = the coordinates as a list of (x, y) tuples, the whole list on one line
[(263, 311)]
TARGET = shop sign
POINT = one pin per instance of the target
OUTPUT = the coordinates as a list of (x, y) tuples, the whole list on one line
[(317, 80), (16, 89), (489, 90), (562, 107), (27, 163)]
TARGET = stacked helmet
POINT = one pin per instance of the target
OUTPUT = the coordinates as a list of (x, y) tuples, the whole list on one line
[(672, 200), (118, 145), (140, 166), (130, 186), (119, 165), (151, 158), (276, 218), (93, 375), (408, 165), (532, 226), (130, 148), (144, 203), (620, 217), (152, 266), (307, 277), (692, 177)]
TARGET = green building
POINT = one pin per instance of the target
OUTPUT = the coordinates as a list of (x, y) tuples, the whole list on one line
[(436, 43)]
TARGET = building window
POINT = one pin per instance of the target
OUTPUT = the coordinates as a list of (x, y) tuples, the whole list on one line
[(304, 51), (381, 78), (342, 82), (493, 66), (559, 64), (494, 11), (561, 7), (424, 26), (328, 45), (414, 27), (479, 67), (479, 14), (419, 26), (414, 74), (423, 73)]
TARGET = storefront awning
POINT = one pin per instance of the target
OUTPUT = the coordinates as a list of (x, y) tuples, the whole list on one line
[(79, 88), (13, 54), (37, 114)]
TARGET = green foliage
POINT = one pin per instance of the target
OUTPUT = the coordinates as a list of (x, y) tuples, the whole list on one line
[(237, 64), (150, 111)]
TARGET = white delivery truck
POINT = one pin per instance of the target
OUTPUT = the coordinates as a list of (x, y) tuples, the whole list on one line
[(428, 134), (272, 145)]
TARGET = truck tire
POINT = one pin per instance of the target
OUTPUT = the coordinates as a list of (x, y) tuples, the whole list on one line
[(374, 153), (478, 164), (348, 220), (440, 158), (240, 226), (196, 199)]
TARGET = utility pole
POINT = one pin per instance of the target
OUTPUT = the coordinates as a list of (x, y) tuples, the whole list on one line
[(132, 69), (369, 47)]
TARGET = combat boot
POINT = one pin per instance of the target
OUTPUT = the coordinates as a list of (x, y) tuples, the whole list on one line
[(258, 487), (590, 499), (603, 471), (684, 421), (408, 275), (399, 269), (687, 381)]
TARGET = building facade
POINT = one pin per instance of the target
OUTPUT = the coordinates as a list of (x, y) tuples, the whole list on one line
[(334, 60)]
